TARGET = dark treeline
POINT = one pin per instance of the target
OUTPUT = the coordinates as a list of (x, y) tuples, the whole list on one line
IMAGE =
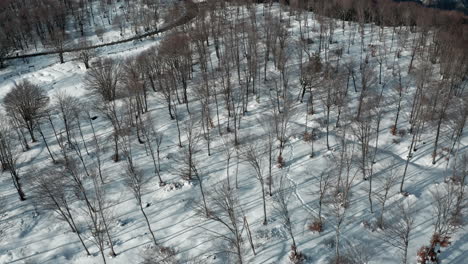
[(53, 24), (459, 5), (206, 75)]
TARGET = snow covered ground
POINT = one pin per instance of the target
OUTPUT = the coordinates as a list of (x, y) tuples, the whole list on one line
[(34, 236)]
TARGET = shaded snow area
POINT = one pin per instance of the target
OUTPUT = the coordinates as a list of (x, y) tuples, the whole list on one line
[(110, 23), (31, 234)]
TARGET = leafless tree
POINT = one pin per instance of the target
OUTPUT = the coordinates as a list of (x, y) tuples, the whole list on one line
[(226, 211), (417, 120), (96, 142), (281, 205), (190, 149), (339, 202), (377, 114), (398, 229), (2, 216), (269, 126), (104, 78), (115, 115), (26, 103), (90, 190), (399, 88), (176, 55), (325, 183), (204, 95), (357, 253), (51, 192), (443, 99), (254, 154), (332, 84), (135, 180), (58, 40), (368, 80), (228, 151), (44, 139), (67, 106), (153, 141), (5, 48), (9, 155), (310, 76), (136, 86), (460, 174), (190, 168), (387, 181), (85, 54), (363, 133), (444, 208), (100, 218), (283, 118)]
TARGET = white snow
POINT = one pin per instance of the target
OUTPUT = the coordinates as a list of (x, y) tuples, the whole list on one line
[(33, 236)]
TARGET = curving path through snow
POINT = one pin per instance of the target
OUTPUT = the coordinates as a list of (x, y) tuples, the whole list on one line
[(191, 11)]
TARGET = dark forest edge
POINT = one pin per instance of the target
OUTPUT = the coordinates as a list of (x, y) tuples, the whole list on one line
[(191, 10)]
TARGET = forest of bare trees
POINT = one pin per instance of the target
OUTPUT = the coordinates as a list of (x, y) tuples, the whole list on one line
[(210, 76)]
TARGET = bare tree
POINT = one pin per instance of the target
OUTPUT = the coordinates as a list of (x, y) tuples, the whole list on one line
[(281, 205), (387, 181), (2, 216), (444, 207), (397, 232), (97, 206), (399, 88), (67, 106), (9, 155), (51, 192), (190, 149), (226, 211), (269, 126), (153, 141), (283, 117), (176, 56), (58, 40), (368, 80), (96, 143), (41, 132), (135, 181), (460, 174), (254, 155), (114, 115), (5, 48), (342, 191), (331, 87), (104, 78), (228, 151), (84, 53), (26, 103), (190, 169), (417, 121), (100, 218), (363, 133), (325, 182)]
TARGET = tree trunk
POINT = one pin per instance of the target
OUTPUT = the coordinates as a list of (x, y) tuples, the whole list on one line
[(265, 222), (434, 152), (148, 223)]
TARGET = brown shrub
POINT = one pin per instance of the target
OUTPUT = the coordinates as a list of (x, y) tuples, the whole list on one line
[(296, 256), (316, 226), (281, 162)]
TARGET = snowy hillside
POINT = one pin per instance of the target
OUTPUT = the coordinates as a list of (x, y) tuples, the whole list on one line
[(254, 133)]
